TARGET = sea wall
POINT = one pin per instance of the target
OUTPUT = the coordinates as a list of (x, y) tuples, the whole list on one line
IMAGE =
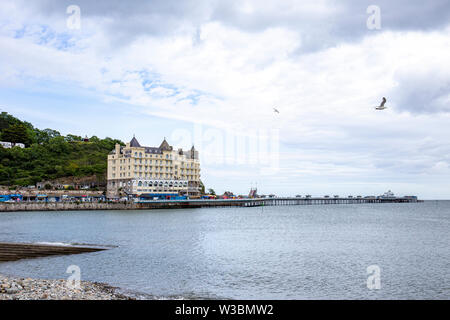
[(61, 206), (70, 206)]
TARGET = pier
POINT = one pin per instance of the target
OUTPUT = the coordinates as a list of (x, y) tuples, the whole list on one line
[(193, 203), (279, 201)]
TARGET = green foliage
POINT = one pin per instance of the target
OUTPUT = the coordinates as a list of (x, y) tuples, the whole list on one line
[(17, 133), (7, 120), (202, 187), (211, 192), (44, 136), (49, 155)]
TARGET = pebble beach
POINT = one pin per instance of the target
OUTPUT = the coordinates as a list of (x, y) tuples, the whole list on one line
[(12, 288)]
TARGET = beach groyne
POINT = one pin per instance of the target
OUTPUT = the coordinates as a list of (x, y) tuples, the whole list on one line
[(17, 251)]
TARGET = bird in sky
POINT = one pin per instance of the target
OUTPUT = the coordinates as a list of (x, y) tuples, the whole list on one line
[(275, 110), (381, 106)]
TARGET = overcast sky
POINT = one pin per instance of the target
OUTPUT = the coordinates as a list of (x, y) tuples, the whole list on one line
[(211, 72)]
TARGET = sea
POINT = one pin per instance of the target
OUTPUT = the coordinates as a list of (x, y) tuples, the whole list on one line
[(348, 251)]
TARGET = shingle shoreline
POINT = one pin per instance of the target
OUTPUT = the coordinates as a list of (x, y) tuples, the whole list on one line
[(14, 288)]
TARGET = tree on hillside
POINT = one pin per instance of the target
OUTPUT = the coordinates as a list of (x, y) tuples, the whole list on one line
[(6, 175), (7, 120), (44, 136), (211, 191), (72, 138), (17, 133)]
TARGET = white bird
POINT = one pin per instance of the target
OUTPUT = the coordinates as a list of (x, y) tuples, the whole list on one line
[(275, 110), (381, 106)]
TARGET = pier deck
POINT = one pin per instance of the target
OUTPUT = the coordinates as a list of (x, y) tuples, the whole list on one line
[(267, 202), (191, 203)]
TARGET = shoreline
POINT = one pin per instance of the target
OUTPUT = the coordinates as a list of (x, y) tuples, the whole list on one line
[(17, 288)]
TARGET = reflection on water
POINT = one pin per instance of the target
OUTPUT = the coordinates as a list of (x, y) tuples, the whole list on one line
[(291, 252)]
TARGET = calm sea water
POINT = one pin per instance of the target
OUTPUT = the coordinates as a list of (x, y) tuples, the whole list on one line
[(289, 252)]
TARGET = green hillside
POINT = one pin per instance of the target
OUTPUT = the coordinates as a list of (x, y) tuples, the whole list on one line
[(48, 155)]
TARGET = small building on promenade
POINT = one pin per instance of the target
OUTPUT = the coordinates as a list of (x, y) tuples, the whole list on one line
[(135, 170)]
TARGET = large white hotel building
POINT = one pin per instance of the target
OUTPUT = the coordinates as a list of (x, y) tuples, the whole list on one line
[(135, 170)]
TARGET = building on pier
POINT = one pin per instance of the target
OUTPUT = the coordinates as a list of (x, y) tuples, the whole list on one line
[(135, 170)]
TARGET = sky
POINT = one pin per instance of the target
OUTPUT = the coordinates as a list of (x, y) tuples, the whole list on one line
[(210, 73)]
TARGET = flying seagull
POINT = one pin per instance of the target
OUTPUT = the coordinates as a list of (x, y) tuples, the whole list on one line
[(381, 106), (275, 110)]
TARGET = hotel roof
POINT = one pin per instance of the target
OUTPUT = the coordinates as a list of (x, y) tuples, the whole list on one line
[(134, 143), (157, 150)]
